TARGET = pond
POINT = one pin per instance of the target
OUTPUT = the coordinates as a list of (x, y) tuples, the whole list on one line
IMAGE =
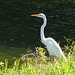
[(20, 32)]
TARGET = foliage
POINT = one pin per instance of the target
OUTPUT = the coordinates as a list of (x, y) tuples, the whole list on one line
[(41, 65), (70, 45)]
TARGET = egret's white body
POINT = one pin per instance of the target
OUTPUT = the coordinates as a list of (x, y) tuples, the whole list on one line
[(52, 46)]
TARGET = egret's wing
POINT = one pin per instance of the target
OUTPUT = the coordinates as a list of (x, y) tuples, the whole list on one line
[(50, 43), (53, 47)]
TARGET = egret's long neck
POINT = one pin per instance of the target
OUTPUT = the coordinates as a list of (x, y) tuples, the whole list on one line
[(42, 29)]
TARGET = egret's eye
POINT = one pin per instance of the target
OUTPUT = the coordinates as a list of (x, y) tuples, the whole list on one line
[(40, 15)]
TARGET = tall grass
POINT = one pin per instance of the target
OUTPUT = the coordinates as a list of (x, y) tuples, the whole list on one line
[(41, 65)]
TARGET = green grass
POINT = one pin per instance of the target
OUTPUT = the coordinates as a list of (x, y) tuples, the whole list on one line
[(41, 65), (40, 68)]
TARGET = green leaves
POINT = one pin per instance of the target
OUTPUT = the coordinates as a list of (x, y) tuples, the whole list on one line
[(16, 64)]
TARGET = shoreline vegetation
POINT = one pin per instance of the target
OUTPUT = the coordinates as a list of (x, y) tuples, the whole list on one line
[(35, 63), (41, 64)]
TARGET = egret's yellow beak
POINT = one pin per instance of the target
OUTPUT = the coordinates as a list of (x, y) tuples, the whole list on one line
[(35, 15)]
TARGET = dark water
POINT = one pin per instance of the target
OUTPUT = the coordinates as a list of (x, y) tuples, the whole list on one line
[(19, 31)]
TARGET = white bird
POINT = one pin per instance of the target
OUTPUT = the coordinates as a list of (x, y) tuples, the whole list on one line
[(52, 46)]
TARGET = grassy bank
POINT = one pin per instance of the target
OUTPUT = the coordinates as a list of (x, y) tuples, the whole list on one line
[(41, 65)]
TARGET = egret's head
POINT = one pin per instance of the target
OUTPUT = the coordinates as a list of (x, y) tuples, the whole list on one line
[(41, 15)]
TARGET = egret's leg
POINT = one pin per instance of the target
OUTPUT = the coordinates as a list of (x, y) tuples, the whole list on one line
[(56, 60), (51, 58)]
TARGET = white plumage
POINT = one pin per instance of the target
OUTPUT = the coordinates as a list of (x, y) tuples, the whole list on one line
[(52, 46)]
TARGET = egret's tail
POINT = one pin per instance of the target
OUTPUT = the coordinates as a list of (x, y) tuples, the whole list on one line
[(64, 58)]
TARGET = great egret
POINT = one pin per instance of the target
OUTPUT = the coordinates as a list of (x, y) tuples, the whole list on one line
[(52, 46)]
